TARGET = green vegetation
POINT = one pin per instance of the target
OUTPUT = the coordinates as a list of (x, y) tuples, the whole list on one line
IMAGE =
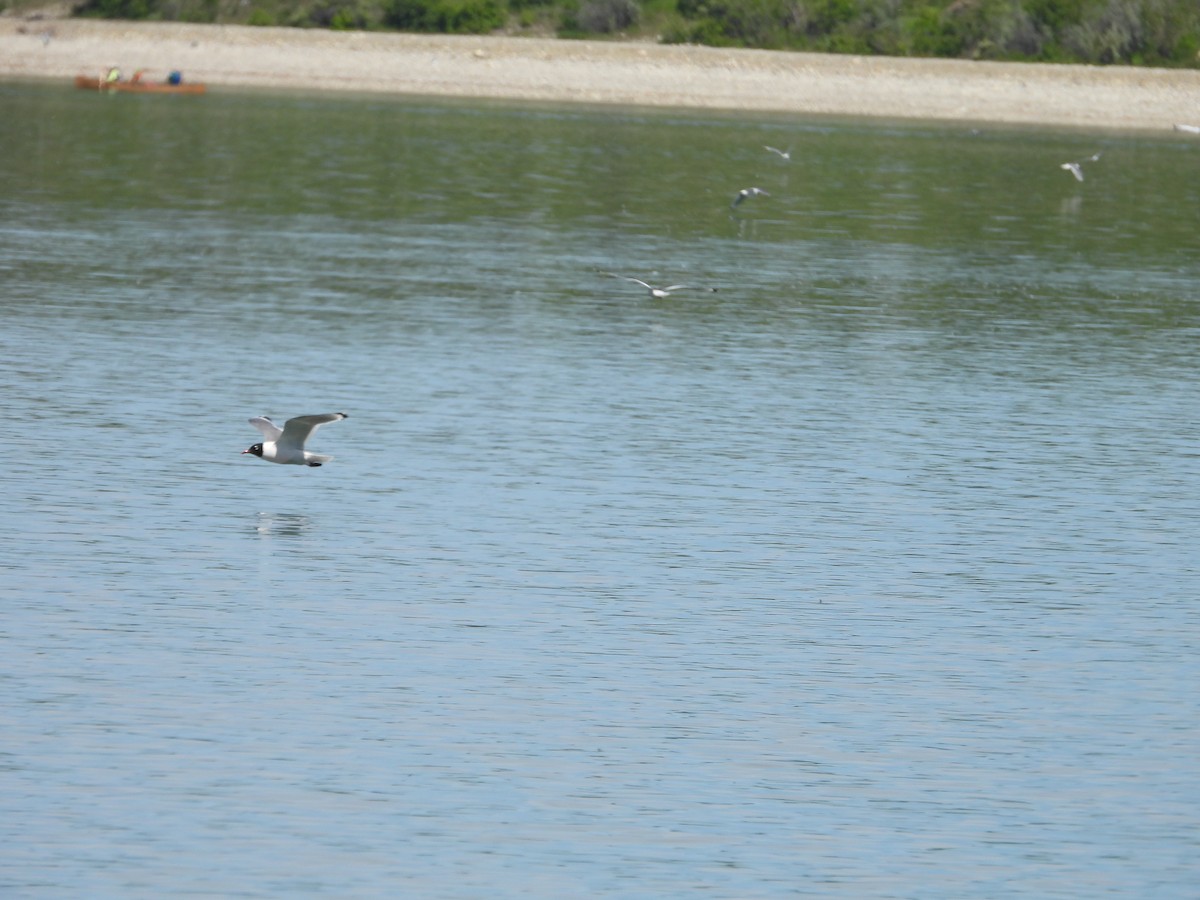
[(1102, 32)]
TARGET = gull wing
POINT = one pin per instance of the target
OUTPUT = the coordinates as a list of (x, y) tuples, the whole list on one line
[(269, 429), (627, 278), (296, 430), (687, 287)]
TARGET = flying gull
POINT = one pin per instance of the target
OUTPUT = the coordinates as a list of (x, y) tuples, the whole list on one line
[(746, 193), (286, 445), (659, 293), (1076, 168)]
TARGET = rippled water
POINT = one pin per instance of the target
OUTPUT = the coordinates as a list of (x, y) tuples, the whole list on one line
[(871, 575)]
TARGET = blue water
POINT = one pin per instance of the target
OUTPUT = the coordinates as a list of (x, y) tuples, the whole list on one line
[(872, 574)]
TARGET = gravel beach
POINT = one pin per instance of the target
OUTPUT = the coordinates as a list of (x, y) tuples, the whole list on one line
[(606, 73)]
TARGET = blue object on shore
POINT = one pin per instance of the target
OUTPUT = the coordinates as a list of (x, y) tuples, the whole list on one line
[(175, 77)]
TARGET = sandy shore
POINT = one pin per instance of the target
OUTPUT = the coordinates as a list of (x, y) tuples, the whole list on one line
[(607, 73)]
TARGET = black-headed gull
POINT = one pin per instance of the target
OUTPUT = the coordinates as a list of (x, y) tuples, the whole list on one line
[(782, 154), (1076, 168), (746, 193), (659, 293), (286, 445)]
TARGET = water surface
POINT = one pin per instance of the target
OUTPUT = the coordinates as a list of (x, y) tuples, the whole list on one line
[(872, 574)]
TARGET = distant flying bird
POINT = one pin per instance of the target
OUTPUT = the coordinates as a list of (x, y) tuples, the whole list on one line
[(1076, 168), (746, 193), (659, 293), (286, 445), (785, 154)]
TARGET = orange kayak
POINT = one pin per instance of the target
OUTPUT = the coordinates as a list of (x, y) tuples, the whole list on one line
[(92, 83)]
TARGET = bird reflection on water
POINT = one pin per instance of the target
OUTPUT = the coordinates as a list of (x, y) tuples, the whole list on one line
[(274, 524)]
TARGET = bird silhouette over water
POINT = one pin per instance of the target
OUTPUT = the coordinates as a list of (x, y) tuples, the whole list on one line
[(745, 194), (286, 445), (1076, 168), (660, 293)]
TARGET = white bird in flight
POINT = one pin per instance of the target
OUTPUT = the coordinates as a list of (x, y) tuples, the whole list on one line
[(1076, 168), (286, 445), (784, 154), (746, 193), (659, 293)]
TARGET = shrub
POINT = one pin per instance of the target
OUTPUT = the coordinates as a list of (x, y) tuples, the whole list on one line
[(1155, 32), (748, 23), (449, 16), (827, 16), (1007, 31), (202, 13), (119, 9), (606, 16), (928, 33), (345, 15), (1055, 14), (1106, 35)]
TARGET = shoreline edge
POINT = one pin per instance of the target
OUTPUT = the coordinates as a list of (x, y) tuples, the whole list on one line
[(607, 73)]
